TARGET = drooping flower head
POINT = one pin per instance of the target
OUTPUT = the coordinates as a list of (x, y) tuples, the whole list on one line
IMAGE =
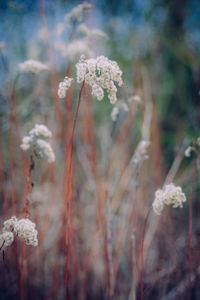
[(100, 73), (23, 228), (35, 142), (169, 195), (64, 86)]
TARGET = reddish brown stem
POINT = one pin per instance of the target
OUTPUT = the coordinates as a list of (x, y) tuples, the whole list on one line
[(3, 179), (10, 137), (28, 191), (142, 254), (190, 229), (69, 194), (22, 272)]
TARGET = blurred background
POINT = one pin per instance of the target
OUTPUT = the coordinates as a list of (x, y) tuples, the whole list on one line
[(157, 46)]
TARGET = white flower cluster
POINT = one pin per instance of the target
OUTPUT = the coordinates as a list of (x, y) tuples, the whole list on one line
[(64, 86), (23, 228), (35, 142), (193, 148), (6, 239), (100, 73), (41, 130), (46, 150), (9, 225), (32, 66), (169, 195), (141, 152), (77, 13)]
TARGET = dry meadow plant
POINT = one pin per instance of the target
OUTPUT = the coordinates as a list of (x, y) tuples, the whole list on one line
[(86, 182)]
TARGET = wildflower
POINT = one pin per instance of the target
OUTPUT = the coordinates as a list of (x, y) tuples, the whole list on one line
[(9, 225), (169, 195), (36, 143), (6, 238), (99, 74), (41, 130), (77, 13), (45, 150), (32, 66), (64, 86), (24, 228), (141, 152)]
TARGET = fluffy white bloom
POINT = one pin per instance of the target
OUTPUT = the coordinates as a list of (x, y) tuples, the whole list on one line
[(9, 224), (32, 66), (45, 150), (24, 228), (26, 142), (97, 91), (77, 13), (6, 238), (158, 203), (40, 130), (64, 86), (141, 152), (35, 142), (169, 195), (100, 73)]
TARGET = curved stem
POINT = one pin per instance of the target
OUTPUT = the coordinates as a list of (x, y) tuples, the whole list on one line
[(142, 254), (190, 228), (69, 194)]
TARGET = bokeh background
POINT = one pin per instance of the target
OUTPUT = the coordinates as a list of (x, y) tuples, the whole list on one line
[(157, 45)]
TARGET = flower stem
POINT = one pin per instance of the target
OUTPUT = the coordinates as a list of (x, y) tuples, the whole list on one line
[(142, 254), (10, 137), (69, 194)]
